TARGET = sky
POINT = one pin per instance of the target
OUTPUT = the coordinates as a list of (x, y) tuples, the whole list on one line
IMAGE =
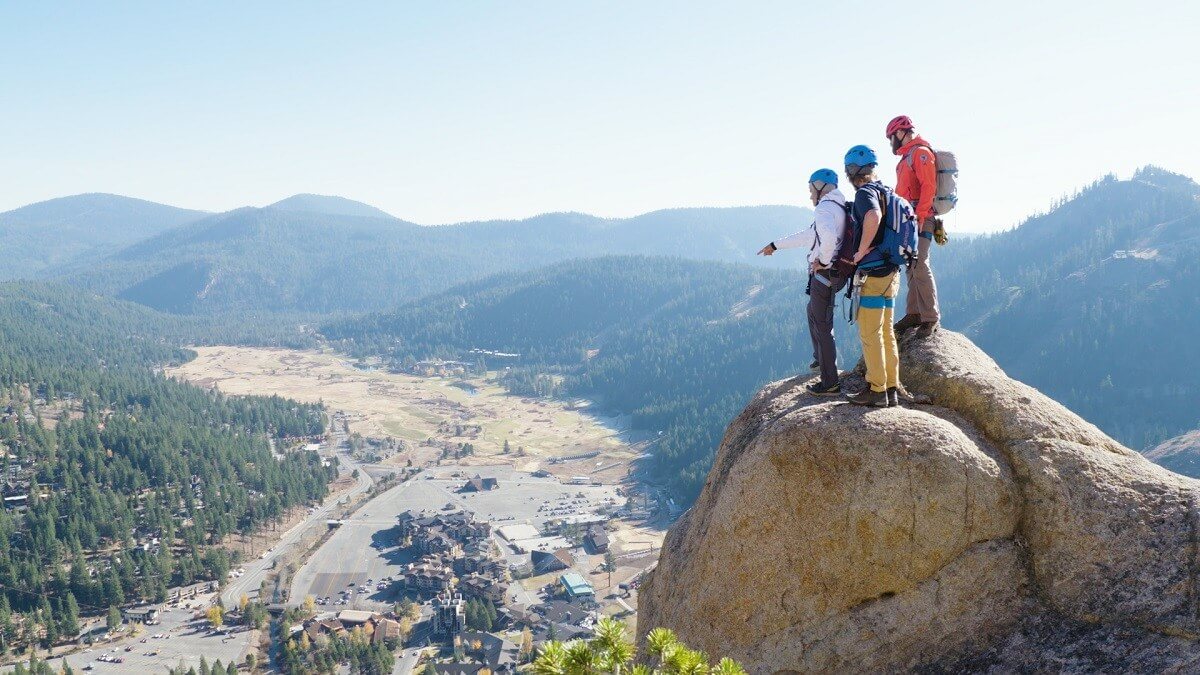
[(441, 112)]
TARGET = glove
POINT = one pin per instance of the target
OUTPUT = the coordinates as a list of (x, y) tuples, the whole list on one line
[(939, 232)]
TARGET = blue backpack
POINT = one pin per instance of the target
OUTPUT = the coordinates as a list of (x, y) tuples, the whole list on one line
[(899, 224)]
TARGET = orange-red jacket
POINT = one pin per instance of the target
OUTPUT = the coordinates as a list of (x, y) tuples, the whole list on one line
[(916, 181)]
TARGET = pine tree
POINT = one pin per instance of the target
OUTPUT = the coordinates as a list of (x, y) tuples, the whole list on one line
[(69, 624)]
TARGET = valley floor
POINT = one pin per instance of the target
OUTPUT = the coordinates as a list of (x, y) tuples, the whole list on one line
[(426, 415), (406, 418)]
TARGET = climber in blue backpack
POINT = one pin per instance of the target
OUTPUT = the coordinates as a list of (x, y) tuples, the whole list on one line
[(885, 237)]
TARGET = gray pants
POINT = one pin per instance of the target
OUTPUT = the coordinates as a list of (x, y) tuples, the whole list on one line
[(822, 291), (922, 289)]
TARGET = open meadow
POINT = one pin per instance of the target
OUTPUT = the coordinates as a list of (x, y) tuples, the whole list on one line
[(426, 414)]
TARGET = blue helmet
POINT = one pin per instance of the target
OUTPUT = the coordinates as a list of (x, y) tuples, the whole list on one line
[(824, 176), (861, 155)]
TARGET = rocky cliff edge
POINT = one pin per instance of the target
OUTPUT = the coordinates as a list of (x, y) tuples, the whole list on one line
[(994, 530)]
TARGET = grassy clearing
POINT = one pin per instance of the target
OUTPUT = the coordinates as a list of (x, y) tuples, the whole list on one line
[(404, 406)]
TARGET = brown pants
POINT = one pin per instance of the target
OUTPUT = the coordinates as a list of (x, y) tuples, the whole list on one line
[(922, 289)]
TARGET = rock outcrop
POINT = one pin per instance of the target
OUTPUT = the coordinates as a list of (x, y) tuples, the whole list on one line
[(994, 529)]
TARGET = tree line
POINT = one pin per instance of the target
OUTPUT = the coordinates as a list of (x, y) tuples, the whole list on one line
[(119, 482)]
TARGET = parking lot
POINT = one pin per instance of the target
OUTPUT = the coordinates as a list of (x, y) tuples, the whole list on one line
[(364, 547), (181, 638)]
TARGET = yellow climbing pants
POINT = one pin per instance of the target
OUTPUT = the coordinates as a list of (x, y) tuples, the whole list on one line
[(876, 308)]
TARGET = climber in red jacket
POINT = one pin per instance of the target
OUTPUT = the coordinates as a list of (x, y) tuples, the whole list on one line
[(916, 181)]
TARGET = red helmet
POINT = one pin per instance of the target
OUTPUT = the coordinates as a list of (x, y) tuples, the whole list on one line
[(898, 123)]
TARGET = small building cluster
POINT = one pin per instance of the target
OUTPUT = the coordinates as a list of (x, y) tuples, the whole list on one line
[(378, 626), (455, 556), (441, 532)]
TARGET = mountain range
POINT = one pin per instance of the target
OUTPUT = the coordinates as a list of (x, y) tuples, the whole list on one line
[(40, 238), (1092, 301), (325, 255), (329, 205)]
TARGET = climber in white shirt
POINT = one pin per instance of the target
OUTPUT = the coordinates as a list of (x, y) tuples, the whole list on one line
[(827, 274)]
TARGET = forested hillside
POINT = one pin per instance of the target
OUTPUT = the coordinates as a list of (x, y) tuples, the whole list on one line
[(79, 230), (1095, 303), (678, 344), (1180, 454), (118, 482), (286, 260), (1091, 302)]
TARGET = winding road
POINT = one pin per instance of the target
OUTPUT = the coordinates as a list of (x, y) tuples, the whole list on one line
[(256, 571)]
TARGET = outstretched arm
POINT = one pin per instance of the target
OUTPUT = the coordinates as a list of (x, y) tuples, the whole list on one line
[(803, 239)]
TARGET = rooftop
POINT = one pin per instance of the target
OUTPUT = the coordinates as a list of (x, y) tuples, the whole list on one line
[(354, 616), (576, 584)]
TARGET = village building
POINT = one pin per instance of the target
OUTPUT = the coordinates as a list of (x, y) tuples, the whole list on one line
[(576, 586), (493, 651), (144, 614), (428, 577), (373, 624), (386, 629), (449, 614), (596, 539), (352, 618), (324, 626), (545, 562), (483, 588), (479, 484), (441, 532)]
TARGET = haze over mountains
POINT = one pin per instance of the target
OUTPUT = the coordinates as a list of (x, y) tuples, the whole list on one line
[(310, 254), (81, 229), (330, 206)]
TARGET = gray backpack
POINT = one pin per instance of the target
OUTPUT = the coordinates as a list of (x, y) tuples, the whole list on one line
[(947, 179)]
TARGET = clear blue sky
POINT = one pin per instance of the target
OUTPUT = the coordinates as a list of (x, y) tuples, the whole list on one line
[(441, 112)]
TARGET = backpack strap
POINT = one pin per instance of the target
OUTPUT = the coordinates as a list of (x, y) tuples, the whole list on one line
[(908, 156), (881, 195), (817, 231)]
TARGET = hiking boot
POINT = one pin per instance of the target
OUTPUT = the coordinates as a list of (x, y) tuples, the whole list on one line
[(814, 365), (868, 397), (908, 398), (927, 328), (893, 397), (909, 321), (818, 389)]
